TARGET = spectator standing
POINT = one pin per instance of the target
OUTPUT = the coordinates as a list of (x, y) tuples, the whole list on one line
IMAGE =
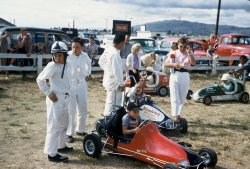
[(56, 101), (7, 45), (210, 53), (174, 46), (134, 64), (125, 51), (244, 68), (79, 70), (110, 61), (92, 49), (179, 78)]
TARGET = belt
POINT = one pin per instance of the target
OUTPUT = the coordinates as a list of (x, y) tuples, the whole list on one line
[(181, 70), (66, 94)]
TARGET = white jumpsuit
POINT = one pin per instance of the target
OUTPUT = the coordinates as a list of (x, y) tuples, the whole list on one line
[(57, 112), (78, 68), (111, 62)]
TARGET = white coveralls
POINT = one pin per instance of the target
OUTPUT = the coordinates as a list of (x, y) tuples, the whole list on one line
[(179, 83), (78, 68), (57, 112), (110, 61)]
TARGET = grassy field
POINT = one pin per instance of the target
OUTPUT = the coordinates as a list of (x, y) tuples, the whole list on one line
[(223, 126)]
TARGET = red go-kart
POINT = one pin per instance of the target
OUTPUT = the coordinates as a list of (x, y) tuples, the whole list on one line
[(148, 145)]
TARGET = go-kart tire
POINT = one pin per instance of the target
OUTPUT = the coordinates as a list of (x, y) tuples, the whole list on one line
[(244, 98), (100, 128), (170, 166), (162, 91), (183, 125), (190, 92), (209, 155), (92, 145), (207, 100)]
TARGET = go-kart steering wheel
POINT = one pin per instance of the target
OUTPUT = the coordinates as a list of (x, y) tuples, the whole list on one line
[(144, 122)]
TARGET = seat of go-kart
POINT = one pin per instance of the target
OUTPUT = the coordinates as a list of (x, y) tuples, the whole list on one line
[(114, 126)]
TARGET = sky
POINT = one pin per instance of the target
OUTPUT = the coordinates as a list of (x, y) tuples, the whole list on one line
[(99, 14)]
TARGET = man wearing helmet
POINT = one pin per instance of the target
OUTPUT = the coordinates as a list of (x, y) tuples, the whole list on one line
[(79, 70), (228, 84), (57, 102)]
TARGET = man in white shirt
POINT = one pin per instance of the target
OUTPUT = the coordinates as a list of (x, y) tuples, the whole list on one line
[(110, 61), (79, 70)]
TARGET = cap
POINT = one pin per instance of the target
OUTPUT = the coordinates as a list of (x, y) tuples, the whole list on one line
[(226, 76), (133, 107)]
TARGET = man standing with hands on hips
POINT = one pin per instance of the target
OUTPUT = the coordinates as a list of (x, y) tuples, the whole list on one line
[(111, 63), (79, 70), (180, 61)]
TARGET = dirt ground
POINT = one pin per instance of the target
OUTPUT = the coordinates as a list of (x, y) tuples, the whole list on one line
[(224, 126)]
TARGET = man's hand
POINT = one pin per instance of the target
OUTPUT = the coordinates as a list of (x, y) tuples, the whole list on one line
[(53, 97), (87, 78)]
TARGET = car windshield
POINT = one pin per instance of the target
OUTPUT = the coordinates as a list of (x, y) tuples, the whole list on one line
[(241, 40), (145, 43), (165, 44), (88, 35)]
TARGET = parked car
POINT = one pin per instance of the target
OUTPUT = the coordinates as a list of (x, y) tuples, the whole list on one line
[(41, 36), (234, 45), (86, 35)]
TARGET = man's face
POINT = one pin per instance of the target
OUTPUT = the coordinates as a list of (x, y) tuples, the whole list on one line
[(127, 37), (76, 48), (24, 32), (58, 58)]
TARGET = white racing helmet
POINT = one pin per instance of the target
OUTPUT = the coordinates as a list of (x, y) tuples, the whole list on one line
[(226, 76), (59, 47)]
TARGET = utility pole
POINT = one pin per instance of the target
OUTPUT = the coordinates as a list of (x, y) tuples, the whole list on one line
[(218, 18)]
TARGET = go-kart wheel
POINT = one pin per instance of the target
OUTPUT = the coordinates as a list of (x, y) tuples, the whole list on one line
[(92, 145), (183, 125), (189, 94), (244, 98), (100, 128), (170, 166), (162, 91), (209, 156), (207, 100)]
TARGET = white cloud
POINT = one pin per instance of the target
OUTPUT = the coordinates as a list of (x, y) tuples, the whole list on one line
[(98, 13)]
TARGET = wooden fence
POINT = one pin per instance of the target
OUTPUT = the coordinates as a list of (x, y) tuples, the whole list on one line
[(40, 57)]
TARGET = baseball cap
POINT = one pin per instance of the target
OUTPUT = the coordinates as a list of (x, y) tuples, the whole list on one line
[(133, 107)]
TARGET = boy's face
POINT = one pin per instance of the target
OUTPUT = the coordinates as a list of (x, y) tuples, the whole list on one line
[(58, 58), (133, 114), (139, 90), (76, 48)]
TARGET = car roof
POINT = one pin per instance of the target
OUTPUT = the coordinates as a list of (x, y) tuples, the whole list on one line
[(235, 34), (30, 28), (131, 38)]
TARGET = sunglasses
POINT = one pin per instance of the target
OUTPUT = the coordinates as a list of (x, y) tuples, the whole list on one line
[(184, 47)]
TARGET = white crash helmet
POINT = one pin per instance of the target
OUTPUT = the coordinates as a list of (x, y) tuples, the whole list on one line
[(59, 47), (226, 76)]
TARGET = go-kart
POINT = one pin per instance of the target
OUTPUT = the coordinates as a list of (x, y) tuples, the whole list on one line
[(215, 92), (155, 82), (158, 150)]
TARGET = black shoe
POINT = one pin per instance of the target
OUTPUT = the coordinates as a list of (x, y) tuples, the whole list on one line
[(65, 149), (81, 134), (58, 158), (70, 139)]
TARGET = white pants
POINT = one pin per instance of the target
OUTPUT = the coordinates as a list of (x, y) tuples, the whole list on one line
[(179, 85), (113, 98), (124, 67), (57, 122), (77, 107)]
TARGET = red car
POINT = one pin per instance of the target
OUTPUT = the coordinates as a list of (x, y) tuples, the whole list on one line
[(158, 150)]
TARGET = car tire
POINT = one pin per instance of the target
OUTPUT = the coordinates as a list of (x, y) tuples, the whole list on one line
[(100, 128), (207, 100), (162, 91), (244, 98), (183, 125), (170, 166), (209, 155), (92, 145), (189, 94)]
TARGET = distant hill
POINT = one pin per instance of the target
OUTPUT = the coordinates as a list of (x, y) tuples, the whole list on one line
[(190, 28)]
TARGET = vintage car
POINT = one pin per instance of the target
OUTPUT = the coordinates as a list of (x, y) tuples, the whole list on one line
[(234, 45)]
